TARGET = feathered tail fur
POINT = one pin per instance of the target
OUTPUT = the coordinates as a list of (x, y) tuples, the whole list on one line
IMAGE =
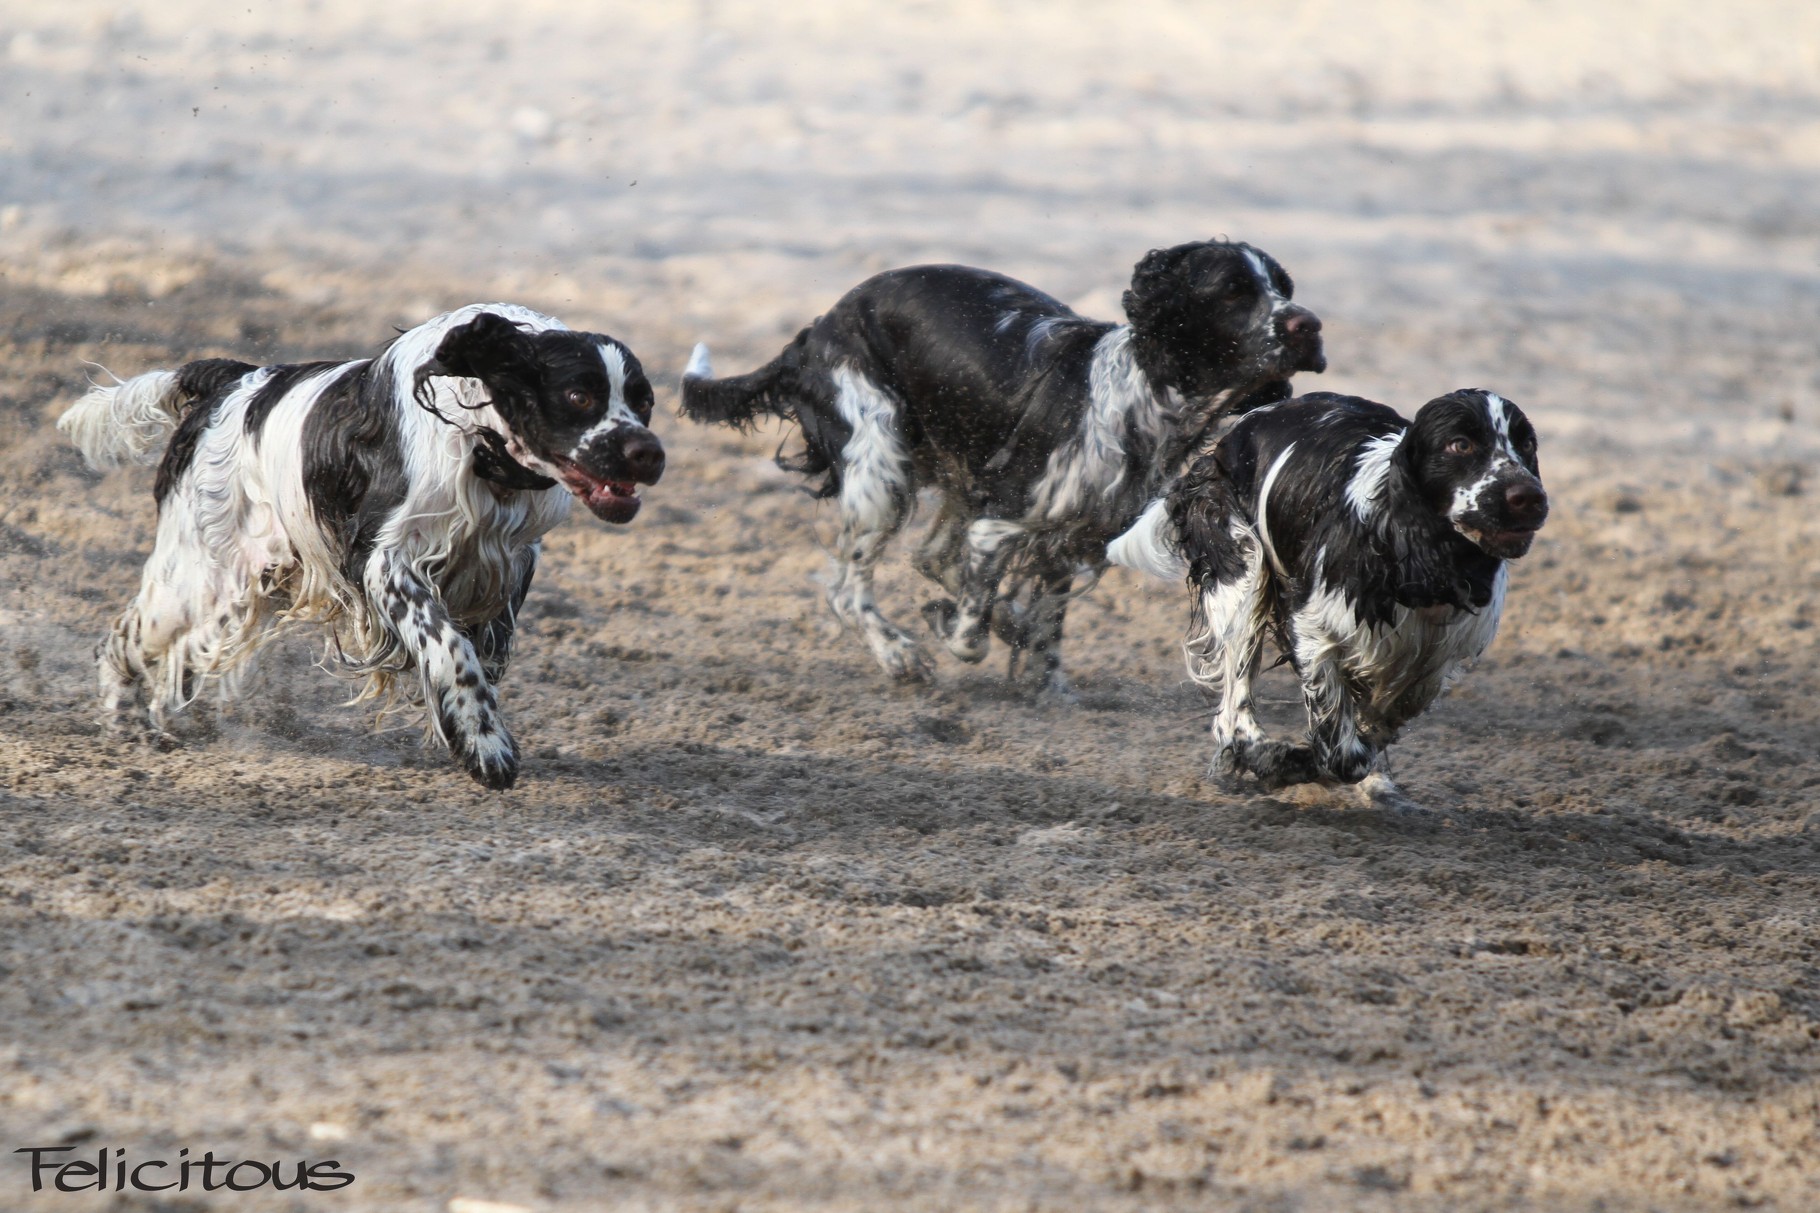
[(126, 421), (131, 420), (741, 399)]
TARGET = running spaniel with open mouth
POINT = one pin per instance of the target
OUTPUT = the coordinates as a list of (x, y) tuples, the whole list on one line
[(1370, 548), (1046, 433), (399, 501)]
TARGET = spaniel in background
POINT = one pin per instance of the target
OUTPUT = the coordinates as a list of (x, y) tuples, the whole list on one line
[(398, 502), (1370, 548), (1046, 433)]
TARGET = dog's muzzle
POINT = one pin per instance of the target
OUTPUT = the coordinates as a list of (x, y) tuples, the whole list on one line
[(1299, 332), (607, 472), (1504, 520)]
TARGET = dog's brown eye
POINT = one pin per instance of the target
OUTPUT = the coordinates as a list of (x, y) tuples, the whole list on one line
[(579, 400), (1462, 446)]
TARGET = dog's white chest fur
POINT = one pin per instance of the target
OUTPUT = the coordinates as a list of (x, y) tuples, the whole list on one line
[(1421, 645)]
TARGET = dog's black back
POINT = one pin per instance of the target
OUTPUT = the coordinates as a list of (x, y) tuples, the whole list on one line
[(1046, 431), (987, 369), (1387, 550)]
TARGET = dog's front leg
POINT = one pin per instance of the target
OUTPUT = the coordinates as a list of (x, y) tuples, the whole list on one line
[(493, 639), (965, 625), (464, 709), (1333, 731)]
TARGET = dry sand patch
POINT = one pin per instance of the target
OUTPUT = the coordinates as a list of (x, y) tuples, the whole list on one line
[(760, 930)]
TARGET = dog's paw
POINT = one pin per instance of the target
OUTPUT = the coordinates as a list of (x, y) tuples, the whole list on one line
[(490, 758), (938, 613), (1378, 791), (1228, 762), (969, 646), (901, 657), (1009, 624), (1054, 690), (1278, 764)]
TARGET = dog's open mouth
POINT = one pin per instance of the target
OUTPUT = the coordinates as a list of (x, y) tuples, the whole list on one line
[(607, 500)]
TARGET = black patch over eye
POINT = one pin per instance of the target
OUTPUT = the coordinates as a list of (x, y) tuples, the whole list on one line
[(1462, 446), (579, 400), (641, 399)]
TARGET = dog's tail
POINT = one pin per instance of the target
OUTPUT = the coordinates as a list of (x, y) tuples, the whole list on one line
[(126, 421), (130, 420), (740, 400), (1151, 545)]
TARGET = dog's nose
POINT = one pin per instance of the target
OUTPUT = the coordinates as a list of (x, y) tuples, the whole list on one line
[(1301, 324), (1525, 500), (644, 456)]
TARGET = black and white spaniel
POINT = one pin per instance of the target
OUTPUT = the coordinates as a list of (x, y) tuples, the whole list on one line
[(398, 501), (1045, 432), (1370, 548)]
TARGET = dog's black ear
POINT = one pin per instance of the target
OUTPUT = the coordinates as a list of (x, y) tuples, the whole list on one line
[(1407, 460), (1420, 444), (1156, 277), (1202, 506), (1424, 566), (1154, 303), (489, 348)]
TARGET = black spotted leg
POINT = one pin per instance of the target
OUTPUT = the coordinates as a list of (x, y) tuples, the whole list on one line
[(463, 706)]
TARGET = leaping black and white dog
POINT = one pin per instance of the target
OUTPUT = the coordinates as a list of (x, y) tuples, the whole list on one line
[(1045, 432), (1372, 549), (399, 501)]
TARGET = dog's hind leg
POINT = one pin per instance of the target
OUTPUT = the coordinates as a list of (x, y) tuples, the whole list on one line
[(944, 548), (1225, 649), (875, 498), (133, 652), (464, 708), (1037, 655), (965, 624), (194, 606)]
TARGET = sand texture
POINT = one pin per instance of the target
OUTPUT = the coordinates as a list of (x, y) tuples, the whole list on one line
[(759, 930)]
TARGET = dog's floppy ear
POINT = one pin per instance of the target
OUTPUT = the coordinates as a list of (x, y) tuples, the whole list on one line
[(1155, 305), (489, 348), (1158, 289), (1419, 441), (1424, 567)]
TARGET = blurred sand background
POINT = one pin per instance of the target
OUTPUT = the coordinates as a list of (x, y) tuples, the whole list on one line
[(758, 930)]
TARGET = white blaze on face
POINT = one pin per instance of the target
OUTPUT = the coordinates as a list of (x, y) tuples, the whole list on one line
[(619, 413), (1503, 459), (1267, 291), (1499, 410)]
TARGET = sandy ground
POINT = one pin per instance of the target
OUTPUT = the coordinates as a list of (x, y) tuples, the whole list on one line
[(758, 930)]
